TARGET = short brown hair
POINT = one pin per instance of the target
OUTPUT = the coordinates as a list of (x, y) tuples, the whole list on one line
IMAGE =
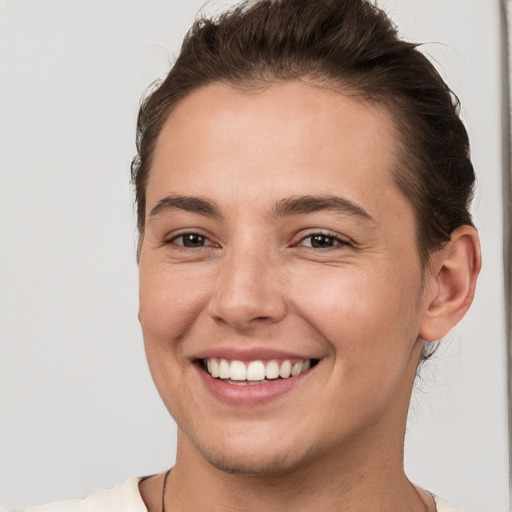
[(351, 46)]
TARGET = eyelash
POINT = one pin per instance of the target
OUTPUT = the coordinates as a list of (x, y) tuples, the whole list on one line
[(333, 239), (182, 236)]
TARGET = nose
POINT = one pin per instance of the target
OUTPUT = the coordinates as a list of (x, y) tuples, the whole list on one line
[(249, 290)]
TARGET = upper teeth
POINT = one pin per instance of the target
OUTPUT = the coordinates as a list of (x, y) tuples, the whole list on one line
[(255, 370)]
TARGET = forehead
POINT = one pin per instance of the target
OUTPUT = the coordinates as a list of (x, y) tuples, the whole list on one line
[(287, 139)]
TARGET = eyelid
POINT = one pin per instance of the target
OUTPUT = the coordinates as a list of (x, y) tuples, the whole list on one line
[(171, 240), (340, 239)]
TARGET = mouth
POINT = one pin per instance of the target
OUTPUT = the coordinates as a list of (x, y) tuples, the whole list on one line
[(256, 372)]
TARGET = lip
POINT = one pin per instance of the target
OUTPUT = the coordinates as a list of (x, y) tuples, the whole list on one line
[(251, 354), (249, 395)]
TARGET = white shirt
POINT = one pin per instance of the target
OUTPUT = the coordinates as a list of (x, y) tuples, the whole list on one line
[(126, 497)]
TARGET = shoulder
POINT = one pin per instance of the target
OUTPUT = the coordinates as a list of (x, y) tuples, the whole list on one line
[(125, 497), (443, 506)]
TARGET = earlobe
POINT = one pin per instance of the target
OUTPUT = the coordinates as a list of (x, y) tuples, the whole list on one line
[(450, 283)]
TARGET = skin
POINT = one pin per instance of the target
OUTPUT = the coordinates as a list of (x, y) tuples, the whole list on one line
[(361, 306)]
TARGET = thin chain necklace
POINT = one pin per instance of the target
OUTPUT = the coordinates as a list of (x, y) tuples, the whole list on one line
[(427, 508), (165, 487)]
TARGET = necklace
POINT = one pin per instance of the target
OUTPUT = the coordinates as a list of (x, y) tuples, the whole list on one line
[(426, 505), (165, 487)]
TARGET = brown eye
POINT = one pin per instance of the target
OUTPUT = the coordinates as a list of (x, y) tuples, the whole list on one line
[(190, 240), (321, 241)]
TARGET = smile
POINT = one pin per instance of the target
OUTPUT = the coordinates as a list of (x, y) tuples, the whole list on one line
[(255, 372)]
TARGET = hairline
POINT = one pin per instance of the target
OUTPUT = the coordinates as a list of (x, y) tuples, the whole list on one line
[(405, 163)]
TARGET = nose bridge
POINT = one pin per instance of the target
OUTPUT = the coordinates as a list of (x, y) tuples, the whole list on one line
[(248, 287)]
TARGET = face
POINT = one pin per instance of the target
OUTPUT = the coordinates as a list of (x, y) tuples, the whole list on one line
[(280, 257)]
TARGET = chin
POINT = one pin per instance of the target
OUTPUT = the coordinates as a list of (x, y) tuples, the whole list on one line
[(251, 465), (250, 458)]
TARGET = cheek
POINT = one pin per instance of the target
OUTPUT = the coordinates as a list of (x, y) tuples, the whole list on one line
[(355, 309), (169, 302)]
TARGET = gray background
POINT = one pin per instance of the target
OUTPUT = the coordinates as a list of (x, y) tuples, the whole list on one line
[(77, 405)]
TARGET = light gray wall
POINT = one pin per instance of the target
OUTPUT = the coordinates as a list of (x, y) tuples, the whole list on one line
[(78, 408)]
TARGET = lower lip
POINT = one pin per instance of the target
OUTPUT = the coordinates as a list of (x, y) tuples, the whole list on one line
[(249, 395)]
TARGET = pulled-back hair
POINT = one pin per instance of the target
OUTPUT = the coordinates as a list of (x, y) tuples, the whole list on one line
[(346, 45)]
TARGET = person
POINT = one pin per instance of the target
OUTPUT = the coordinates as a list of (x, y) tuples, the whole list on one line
[(303, 184)]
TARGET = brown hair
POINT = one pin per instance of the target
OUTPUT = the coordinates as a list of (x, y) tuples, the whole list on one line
[(348, 45)]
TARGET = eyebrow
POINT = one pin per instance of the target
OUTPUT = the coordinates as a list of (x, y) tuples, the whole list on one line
[(302, 205), (200, 205), (296, 205)]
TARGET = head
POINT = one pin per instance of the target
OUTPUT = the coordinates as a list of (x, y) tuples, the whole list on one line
[(302, 182), (348, 46)]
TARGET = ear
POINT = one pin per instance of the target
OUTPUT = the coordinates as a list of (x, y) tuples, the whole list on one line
[(450, 283)]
